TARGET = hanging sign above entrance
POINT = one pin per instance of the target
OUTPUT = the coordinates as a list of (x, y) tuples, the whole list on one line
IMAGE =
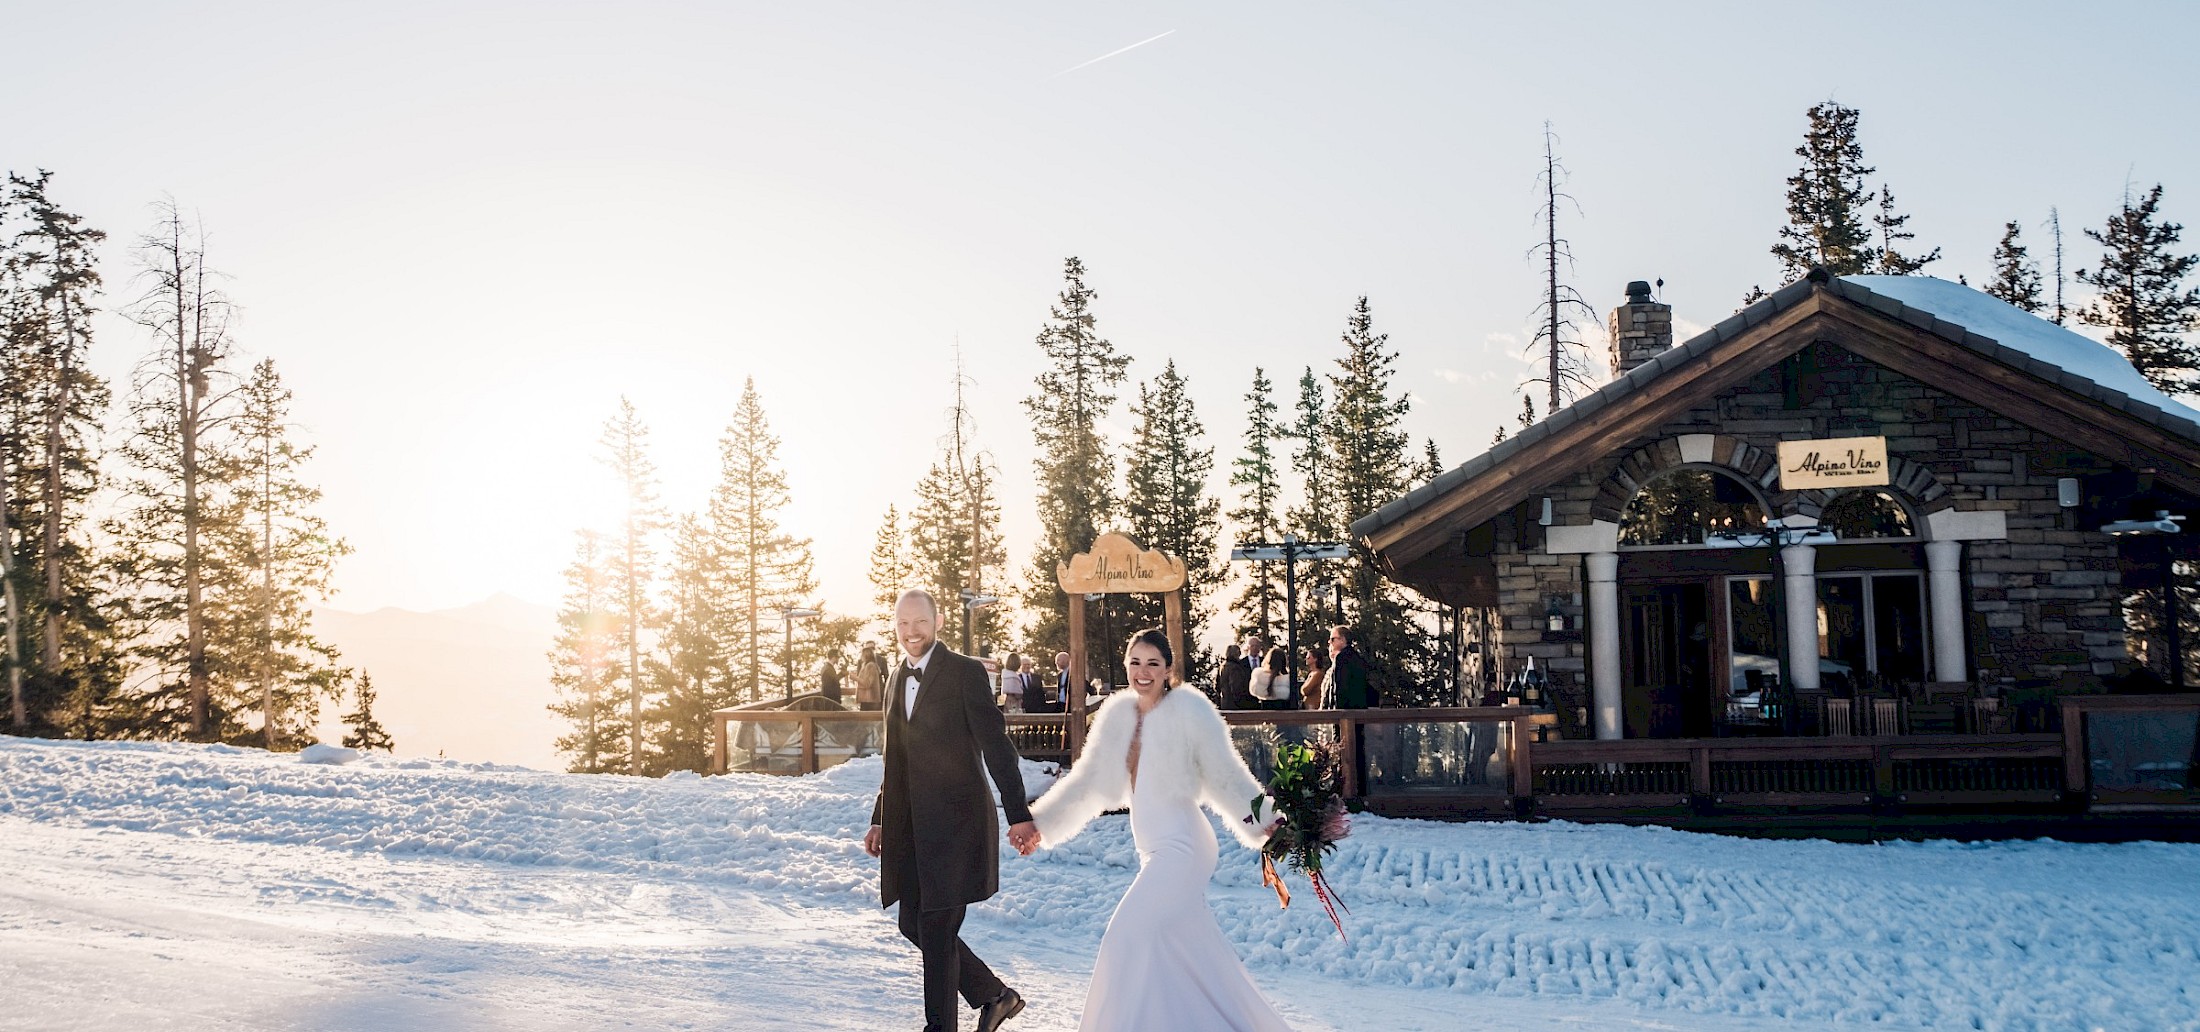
[(1116, 565), (1833, 462)]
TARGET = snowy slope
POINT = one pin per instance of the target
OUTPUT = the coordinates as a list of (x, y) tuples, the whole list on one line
[(165, 886)]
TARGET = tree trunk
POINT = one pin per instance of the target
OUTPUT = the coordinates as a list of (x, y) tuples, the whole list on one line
[(633, 654), (14, 614), (49, 657), (267, 590), (190, 329)]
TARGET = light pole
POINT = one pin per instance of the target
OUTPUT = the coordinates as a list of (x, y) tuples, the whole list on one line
[(787, 616), (973, 601), (1290, 550)]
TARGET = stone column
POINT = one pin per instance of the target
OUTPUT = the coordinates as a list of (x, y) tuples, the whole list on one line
[(1944, 571), (1799, 570), (1604, 687)]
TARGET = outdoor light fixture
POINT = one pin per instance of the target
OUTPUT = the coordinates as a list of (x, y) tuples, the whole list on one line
[(2067, 494), (971, 600), (1545, 519)]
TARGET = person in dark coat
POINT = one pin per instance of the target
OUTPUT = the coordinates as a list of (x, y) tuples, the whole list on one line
[(932, 825), (1348, 682), (1234, 682)]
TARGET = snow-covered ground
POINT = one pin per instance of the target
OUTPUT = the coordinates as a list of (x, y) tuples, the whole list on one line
[(185, 887)]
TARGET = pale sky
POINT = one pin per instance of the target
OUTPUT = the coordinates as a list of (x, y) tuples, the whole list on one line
[(464, 230)]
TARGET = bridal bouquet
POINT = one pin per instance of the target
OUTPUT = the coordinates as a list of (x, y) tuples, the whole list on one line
[(1307, 793)]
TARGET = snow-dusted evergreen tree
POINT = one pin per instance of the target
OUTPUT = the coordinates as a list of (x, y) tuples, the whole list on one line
[(1890, 226), (766, 568), (1168, 504), (278, 558), (1556, 345), (585, 663), (1368, 443), (167, 556), (1069, 404), (2144, 303), (52, 406), (2016, 278), (367, 733), (1258, 515), (625, 444)]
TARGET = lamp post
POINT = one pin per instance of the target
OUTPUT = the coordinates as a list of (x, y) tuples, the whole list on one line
[(787, 616), (972, 601), (1291, 550)]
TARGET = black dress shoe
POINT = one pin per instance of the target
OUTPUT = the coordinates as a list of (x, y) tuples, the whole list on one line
[(993, 1015)]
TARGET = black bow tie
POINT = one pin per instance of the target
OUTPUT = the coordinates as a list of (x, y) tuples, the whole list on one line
[(908, 671)]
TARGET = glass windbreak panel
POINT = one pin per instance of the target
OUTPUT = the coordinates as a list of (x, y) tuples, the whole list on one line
[(839, 741), (1690, 507), (1452, 758), (1841, 646), (1898, 628), (1753, 631), (1257, 743), (2142, 752), (764, 746), (1860, 515)]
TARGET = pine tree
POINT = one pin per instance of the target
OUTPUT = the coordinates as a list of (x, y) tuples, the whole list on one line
[(1432, 463), (1369, 446), (625, 442), (1256, 517), (277, 553), (49, 457), (1168, 503), (2143, 302), (1892, 262), (766, 569), (1315, 519), (953, 546), (1826, 200), (892, 570), (166, 554), (2016, 279), (689, 669), (1556, 342), (2054, 228), (367, 733), (1076, 473), (585, 661)]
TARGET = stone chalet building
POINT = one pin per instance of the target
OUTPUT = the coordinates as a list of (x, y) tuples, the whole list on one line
[(1850, 495)]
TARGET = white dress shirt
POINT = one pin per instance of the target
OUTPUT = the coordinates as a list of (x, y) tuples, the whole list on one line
[(909, 686)]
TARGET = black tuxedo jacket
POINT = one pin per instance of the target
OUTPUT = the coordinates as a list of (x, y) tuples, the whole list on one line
[(933, 809)]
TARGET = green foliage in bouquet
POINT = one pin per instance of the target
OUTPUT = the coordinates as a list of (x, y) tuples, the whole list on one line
[(1307, 793)]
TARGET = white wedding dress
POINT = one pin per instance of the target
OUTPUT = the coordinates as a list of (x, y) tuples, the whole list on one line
[(1164, 964)]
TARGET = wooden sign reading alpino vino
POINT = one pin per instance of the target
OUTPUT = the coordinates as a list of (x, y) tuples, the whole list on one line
[(1833, 462), (1116, 565)]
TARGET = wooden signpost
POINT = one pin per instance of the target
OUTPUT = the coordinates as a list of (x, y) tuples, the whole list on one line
[(1116, 565)]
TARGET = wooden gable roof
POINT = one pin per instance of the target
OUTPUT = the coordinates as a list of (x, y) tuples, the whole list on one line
[(2131, 432)]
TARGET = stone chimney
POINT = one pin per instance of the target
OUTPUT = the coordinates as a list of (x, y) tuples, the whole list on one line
[(1641, 329)]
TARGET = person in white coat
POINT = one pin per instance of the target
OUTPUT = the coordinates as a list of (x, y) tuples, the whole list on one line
[(1164, 965)]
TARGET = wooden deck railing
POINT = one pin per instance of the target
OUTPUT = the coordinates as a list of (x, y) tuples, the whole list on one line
[(2114, 752)]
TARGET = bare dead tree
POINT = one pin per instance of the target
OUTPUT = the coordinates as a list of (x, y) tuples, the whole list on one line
[(2054, 225), (1557, 342)]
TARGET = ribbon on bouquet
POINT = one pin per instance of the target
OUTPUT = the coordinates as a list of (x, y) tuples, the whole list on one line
[(1323, 891)]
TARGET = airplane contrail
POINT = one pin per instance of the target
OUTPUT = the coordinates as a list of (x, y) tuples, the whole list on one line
[(1109, 54)]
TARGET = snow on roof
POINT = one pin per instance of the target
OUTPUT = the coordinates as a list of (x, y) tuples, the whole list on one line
[(2013, 327)]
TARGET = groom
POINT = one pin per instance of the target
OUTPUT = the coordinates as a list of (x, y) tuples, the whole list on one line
[(933, 822)]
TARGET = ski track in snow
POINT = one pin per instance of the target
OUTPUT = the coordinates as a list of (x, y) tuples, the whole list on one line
[(432, 894)]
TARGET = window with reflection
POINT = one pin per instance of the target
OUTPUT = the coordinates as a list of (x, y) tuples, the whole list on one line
[(1864, 514), (1690, 506)]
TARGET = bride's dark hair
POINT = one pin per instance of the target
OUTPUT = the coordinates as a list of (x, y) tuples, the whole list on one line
[(1159, 639)]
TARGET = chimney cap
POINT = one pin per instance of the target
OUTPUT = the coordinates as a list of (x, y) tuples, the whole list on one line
[(1638, 292)]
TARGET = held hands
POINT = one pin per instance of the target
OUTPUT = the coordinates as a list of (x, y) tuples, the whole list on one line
[(1023, 837)]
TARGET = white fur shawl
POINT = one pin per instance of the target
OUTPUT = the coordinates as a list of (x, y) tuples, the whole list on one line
[(1185, 750)]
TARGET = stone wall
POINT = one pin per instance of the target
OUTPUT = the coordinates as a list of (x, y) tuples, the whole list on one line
[(2044, 602)]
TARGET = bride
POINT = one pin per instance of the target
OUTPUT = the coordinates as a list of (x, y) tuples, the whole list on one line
[(1164, 965)]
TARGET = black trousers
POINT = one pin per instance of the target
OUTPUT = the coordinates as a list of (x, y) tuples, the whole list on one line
[(949, 966)]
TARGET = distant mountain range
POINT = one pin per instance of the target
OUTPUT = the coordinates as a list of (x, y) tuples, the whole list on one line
[(467, 683)]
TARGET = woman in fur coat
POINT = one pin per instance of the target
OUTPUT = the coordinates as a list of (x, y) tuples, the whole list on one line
[(1164, 964)]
